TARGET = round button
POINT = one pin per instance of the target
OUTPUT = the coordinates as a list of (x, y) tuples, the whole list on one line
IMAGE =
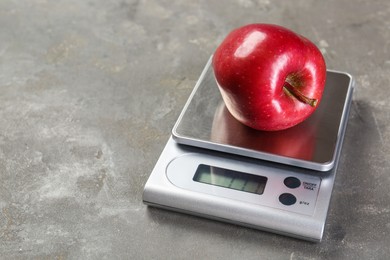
[(287, 199), (292, 182)]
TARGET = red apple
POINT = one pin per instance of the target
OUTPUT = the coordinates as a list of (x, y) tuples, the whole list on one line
[(270, 78)]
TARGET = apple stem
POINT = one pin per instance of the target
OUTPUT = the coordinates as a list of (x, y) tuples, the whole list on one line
[(298, 95)]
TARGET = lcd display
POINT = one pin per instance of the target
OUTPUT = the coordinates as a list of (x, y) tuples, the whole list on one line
[(230, 179)]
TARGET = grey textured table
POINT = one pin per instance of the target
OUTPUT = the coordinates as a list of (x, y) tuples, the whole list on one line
[(89, 92)]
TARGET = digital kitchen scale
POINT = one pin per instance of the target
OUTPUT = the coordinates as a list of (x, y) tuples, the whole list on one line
[(215, 167)]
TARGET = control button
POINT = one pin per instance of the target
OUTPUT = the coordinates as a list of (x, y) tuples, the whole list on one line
[(287, 199), (292, 182)]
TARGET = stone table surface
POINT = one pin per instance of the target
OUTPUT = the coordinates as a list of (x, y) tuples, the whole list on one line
[(90, 90)]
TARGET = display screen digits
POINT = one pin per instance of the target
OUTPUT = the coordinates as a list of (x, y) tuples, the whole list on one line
[(230, 179)]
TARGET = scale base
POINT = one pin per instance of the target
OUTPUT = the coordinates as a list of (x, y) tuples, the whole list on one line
[(297, 209)]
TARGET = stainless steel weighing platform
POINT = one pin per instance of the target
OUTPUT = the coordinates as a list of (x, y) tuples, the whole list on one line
[(215, 167)]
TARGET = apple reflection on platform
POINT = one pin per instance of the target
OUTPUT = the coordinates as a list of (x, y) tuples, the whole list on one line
[(297, 142)]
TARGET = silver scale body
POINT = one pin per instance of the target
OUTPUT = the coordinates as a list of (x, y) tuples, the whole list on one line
[(197, 140)]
